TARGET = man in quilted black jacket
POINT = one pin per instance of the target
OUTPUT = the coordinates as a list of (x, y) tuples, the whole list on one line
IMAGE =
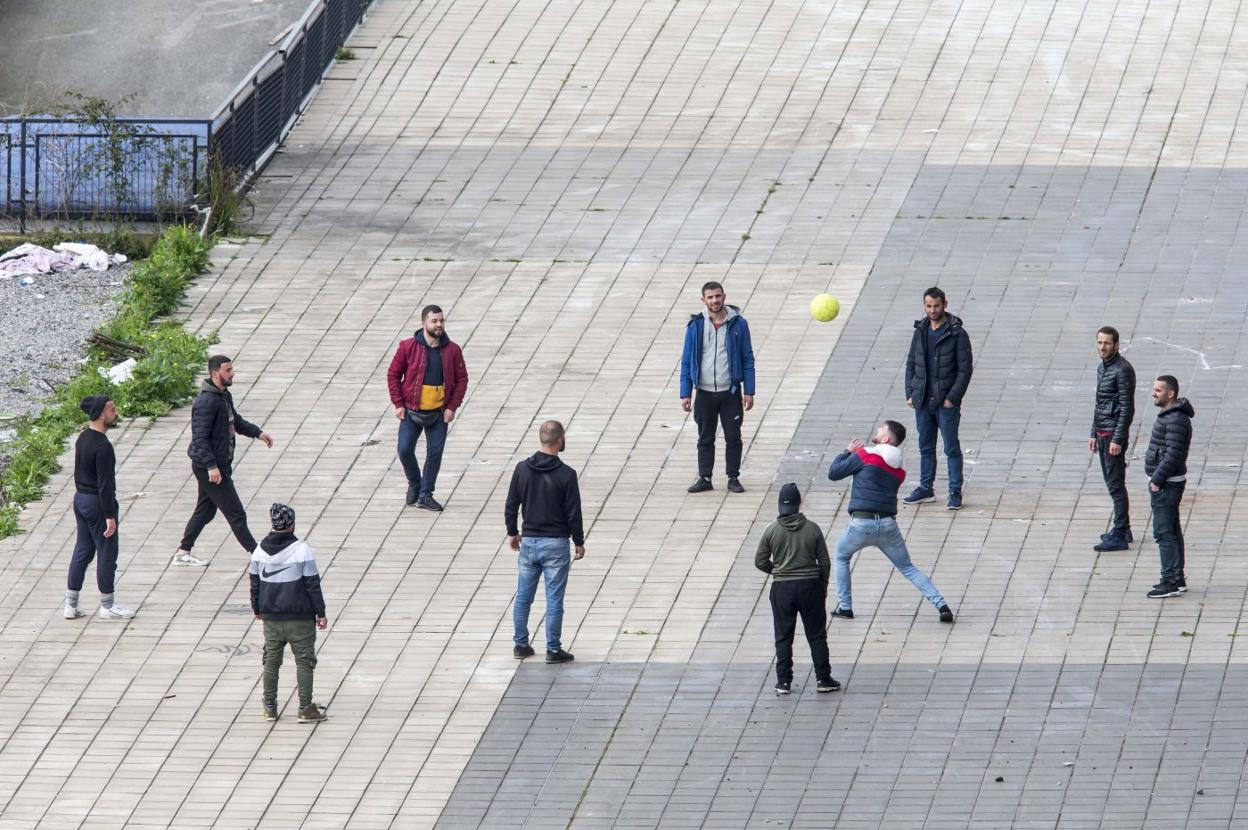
[(1165, 464), (214, 423), (1111, 427)]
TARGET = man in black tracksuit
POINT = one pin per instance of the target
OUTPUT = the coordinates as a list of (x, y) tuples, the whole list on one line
[(95, 510), (1165, 463), (547, 491), (1111, 427), (795, 553), (214, 422)]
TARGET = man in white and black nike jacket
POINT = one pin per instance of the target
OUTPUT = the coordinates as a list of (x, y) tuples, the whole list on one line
[(286, 594)]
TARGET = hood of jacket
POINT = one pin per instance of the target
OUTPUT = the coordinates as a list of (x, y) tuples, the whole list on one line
[(892, 456), (733, 312), (209, 386), (543, 462), (953, 321), (1181, 405), (278, 543), (443, 339), (793, 522)]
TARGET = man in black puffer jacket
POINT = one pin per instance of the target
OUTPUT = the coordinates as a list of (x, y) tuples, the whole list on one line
[(1111, 427), (1165, 463), (214, 421), (938, 372)]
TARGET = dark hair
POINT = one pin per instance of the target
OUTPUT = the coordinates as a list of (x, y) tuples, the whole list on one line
[(898, 431), (429, 309), (1171, 382), (550, 433), (936, 294), (1110, 330), (711, 286), (217, 361)]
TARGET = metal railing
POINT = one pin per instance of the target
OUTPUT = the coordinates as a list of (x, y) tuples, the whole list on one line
[(248, 128), (153, 168)]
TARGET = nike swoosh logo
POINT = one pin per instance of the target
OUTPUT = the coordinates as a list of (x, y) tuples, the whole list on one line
[(267, 573)]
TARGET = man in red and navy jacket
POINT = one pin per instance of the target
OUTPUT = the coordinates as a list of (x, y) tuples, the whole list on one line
[(427, 380), (877, 475)]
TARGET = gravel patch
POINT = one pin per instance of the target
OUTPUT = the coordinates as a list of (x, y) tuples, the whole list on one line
[(45, 326)]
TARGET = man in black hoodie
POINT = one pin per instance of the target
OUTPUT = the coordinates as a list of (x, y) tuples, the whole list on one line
[(546, 489), (795, 553), (1165, 464), (214, 422), (286, 594), (938, 373)]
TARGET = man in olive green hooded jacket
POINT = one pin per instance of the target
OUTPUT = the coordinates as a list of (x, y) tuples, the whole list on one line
[(795, 553)]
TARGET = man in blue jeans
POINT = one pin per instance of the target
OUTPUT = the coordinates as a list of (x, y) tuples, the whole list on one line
[(938, 372), (427, 380), (877, 475), (546, 490)]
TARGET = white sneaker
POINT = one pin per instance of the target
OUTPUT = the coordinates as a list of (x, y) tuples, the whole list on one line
[(73, 612), (115, 612), (183, 558)]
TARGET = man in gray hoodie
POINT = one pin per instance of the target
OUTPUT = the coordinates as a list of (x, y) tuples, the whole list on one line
[(794, 552)]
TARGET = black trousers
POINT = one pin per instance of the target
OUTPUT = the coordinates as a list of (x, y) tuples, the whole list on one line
[(728, 409), (91, 524), (1114, 470), (214, 497), (806, 597), (1168, 530)]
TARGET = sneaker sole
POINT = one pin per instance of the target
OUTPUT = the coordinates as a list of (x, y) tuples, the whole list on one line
[(919, 501), (427, 507), (783, 693), (951, 507), (828, 691), (1164, 596)]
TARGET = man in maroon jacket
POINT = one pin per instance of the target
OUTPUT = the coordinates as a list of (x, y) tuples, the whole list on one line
[(427, 380)]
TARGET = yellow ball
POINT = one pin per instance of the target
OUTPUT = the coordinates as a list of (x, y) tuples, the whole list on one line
[(824, 308)]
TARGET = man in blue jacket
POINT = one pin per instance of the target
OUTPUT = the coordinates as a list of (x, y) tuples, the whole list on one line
[(877, 475), (717, 360), (938, 372)]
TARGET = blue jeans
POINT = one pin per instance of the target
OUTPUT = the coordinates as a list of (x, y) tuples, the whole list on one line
[(435, 440), (885, 535), (930, 418), (540, 557)]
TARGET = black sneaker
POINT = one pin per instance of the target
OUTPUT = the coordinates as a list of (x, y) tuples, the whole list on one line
[(1116, 541), (427, 503), (946, 616), (521, 652), (1181, 585), (955, 501), (734, 486), (701, 485), (920, 495), (783, 687), (838, 611), (826, 685), (559, 656), (1164, 590), (413, 493), (270, 711), (1130, 536)]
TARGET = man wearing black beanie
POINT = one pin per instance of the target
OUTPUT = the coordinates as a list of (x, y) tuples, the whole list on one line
[(95, 510)]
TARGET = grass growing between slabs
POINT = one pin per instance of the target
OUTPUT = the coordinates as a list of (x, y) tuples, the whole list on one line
[(168, 361)]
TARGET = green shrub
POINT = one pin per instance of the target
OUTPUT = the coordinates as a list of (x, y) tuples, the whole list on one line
[(162, 378)]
